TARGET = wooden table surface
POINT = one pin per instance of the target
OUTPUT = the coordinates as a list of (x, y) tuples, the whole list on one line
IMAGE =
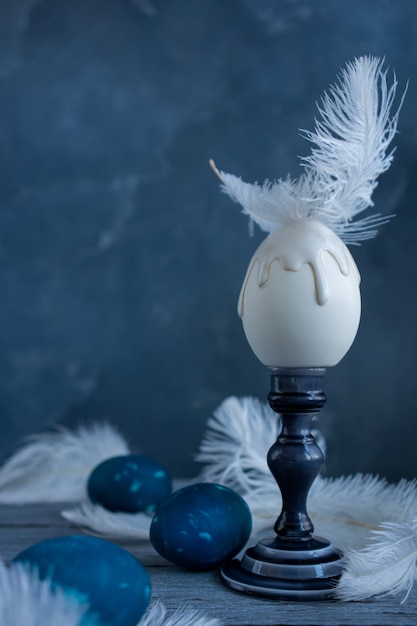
[(21, 526)]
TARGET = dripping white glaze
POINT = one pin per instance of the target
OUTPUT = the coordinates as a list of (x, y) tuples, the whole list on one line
[(295, 245)]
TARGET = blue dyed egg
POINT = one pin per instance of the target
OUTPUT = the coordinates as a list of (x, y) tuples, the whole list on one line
[(201, 526), (129, 483), (111, 580)]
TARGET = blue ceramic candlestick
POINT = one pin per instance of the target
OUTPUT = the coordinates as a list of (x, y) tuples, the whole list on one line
[(294, 564), (300, 308)]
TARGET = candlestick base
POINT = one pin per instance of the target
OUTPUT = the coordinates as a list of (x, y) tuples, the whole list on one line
[(284, 571), (295, 564)]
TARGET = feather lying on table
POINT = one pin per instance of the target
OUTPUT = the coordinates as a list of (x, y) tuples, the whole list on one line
[(158, 616), (54, 466), (103, 522), (351, 142), (347, 510), (25, 600), (387, 566)]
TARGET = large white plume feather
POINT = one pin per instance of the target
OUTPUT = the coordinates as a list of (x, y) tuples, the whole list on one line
[(351, 142), (54, 466), (100, 521), (159, 616), (386, 567)]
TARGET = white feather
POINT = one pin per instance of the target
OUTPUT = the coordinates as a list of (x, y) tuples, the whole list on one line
[(349, 508), (27, 601), (234, 446), (352, 140), (102, 522), (272, 204), (386, 567), (54, 466), (351, 150), (158, 616)]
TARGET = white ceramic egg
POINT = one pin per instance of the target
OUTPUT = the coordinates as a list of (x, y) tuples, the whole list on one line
[(300, 301)]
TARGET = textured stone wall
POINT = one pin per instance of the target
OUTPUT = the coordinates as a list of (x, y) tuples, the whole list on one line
[(120, 260)]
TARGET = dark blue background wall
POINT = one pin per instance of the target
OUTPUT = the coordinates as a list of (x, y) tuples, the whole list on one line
[(120, 260)]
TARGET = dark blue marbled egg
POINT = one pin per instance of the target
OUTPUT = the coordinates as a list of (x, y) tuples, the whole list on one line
[(201, 526), (111, 580), (129, 483)]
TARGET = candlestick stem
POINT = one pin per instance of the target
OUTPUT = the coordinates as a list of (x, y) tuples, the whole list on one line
[(294, 564), (295, 459)]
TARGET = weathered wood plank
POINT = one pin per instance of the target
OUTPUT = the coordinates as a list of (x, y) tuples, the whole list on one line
[(34, 514), (205, 592), (21, 526)]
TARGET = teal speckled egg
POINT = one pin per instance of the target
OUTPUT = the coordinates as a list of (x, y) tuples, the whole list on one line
[(129, 484), (201, 526), (111, 580)]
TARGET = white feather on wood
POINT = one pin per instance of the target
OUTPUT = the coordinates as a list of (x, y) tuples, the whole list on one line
[(25, 600), (54, 466), (351, 142), (106, 523), (350, 508), (386, 567), (158, 616)]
